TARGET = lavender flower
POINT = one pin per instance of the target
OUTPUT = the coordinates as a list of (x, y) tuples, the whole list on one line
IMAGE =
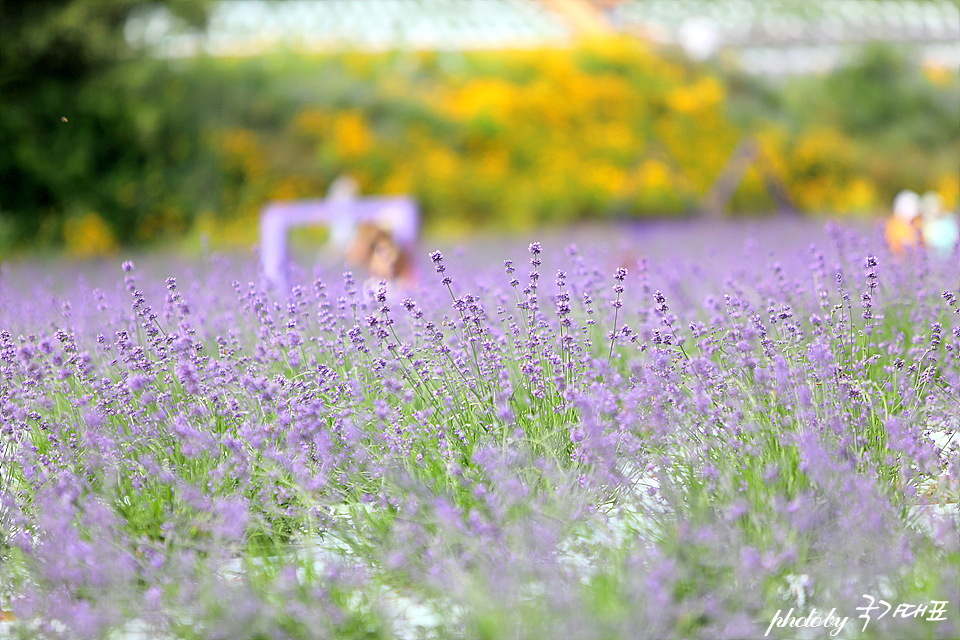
[(259, 465)]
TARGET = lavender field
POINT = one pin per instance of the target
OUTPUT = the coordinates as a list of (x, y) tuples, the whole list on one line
[(667, 431)]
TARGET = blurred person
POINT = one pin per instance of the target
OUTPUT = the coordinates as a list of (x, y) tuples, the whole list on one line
[(373, 243), (375, 250), (902, 230), (938, 228), (377, 235)]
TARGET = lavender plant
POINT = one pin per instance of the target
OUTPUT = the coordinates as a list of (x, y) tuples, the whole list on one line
[(653, 447)]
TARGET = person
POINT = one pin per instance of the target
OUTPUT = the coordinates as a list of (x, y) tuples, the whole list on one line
[(377, 234), (938, 229), (374, 249), (902, 230), (374, 243)]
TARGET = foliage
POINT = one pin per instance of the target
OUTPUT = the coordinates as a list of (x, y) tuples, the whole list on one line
[(608, 129), (879, 96), (881, 121), (512, 139), (82, 132)]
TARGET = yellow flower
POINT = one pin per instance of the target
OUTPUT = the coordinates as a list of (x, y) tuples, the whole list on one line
[(705, 94), (88, 236), (859, 196), (949, 188), (483, 96), (606, 179), (654, 176), (940, 75), (352, 137)]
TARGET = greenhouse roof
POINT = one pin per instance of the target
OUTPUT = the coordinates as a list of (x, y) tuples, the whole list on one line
[(767, 36)]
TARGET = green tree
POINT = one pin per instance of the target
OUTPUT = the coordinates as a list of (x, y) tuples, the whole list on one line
[(79, 122)]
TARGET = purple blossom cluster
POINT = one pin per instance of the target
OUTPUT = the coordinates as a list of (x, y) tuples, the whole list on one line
[(651, 446)]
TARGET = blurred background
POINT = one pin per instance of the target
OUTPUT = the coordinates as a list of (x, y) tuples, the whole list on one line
[(128, 123)]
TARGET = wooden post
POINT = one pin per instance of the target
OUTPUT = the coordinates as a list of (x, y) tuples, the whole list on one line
[(747, 153)]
